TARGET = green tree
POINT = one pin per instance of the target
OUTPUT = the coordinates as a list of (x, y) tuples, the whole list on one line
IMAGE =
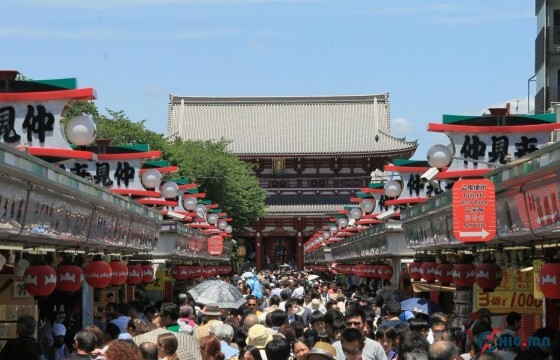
[(226, 179)]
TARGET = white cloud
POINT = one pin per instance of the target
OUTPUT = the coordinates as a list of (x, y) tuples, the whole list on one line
[(401, 126)]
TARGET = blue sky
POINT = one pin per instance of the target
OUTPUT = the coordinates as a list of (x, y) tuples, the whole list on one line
[(433, 57)]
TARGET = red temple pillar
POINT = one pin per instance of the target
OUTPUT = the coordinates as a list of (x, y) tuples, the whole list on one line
[(299, 251), (258, 252)]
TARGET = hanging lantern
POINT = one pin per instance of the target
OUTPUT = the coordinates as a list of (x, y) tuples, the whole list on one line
[(444, 274), (429, 271), (342, 222), (333, 229), (39, 280), (488, 276), (151, 178), (120, 272), (169, 190), (180, 272), (69, 278), (228, 229), (463, 275), (134, 275), (81, 130), (415, 270), (200, 210), (548, 280), (147, 273), (392, 188), (98, 274), (356, 213), (222, 224), (189, 203), (212, 219), (439, 156), (367, 205), (385, 272)]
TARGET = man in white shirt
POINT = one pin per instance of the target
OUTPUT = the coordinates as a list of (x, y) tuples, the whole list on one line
[(355, 317)]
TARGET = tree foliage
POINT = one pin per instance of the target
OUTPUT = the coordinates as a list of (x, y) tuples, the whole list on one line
[(222, 176)]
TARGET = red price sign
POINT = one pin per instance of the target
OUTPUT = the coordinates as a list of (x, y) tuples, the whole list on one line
[(474, 210)]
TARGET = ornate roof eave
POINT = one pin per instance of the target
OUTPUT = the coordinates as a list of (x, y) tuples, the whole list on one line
[(342, 155), (277, 99)]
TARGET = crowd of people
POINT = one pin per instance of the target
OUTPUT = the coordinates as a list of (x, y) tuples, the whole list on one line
[(291, 316)]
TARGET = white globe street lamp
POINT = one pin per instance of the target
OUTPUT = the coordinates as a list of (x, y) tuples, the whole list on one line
[(169, 190), (151, 178), (439, 156)]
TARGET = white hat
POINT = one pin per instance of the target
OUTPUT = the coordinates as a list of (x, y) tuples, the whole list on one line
[(20, 267), (59, 330)]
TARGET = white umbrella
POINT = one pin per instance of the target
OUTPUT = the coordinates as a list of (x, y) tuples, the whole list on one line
[(312, 277), (219, 292)]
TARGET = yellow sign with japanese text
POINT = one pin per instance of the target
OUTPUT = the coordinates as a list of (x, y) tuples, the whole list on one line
[(537, 264), (515, 293)]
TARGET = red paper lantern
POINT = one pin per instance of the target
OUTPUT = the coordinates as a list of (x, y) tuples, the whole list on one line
[(488, 276), (39, 280), (444, 274), (429, 271), (385, 272), (147, 273), (548, 280), (134, 275), (463, 275), (415, 270), (69, 278), (180, 272), (98, 274), (120, 272)]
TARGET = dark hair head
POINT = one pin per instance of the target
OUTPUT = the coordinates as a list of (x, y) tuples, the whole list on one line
[(26, 325), (393, 308), (352, 334), (253, 350), (112, 330), (412, 341), (400, 329), (85, 340), (419, 325), (277, 349), (438, 318), (171, 310), (332, 315), (278, 318), (148, 350), (355, 311), (168, 342), (274, 300), (480, 327), (512, 318), (385, 331), (316, 316), (289, 332)]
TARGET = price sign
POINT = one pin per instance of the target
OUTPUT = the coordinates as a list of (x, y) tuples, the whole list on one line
[(502, 302)]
